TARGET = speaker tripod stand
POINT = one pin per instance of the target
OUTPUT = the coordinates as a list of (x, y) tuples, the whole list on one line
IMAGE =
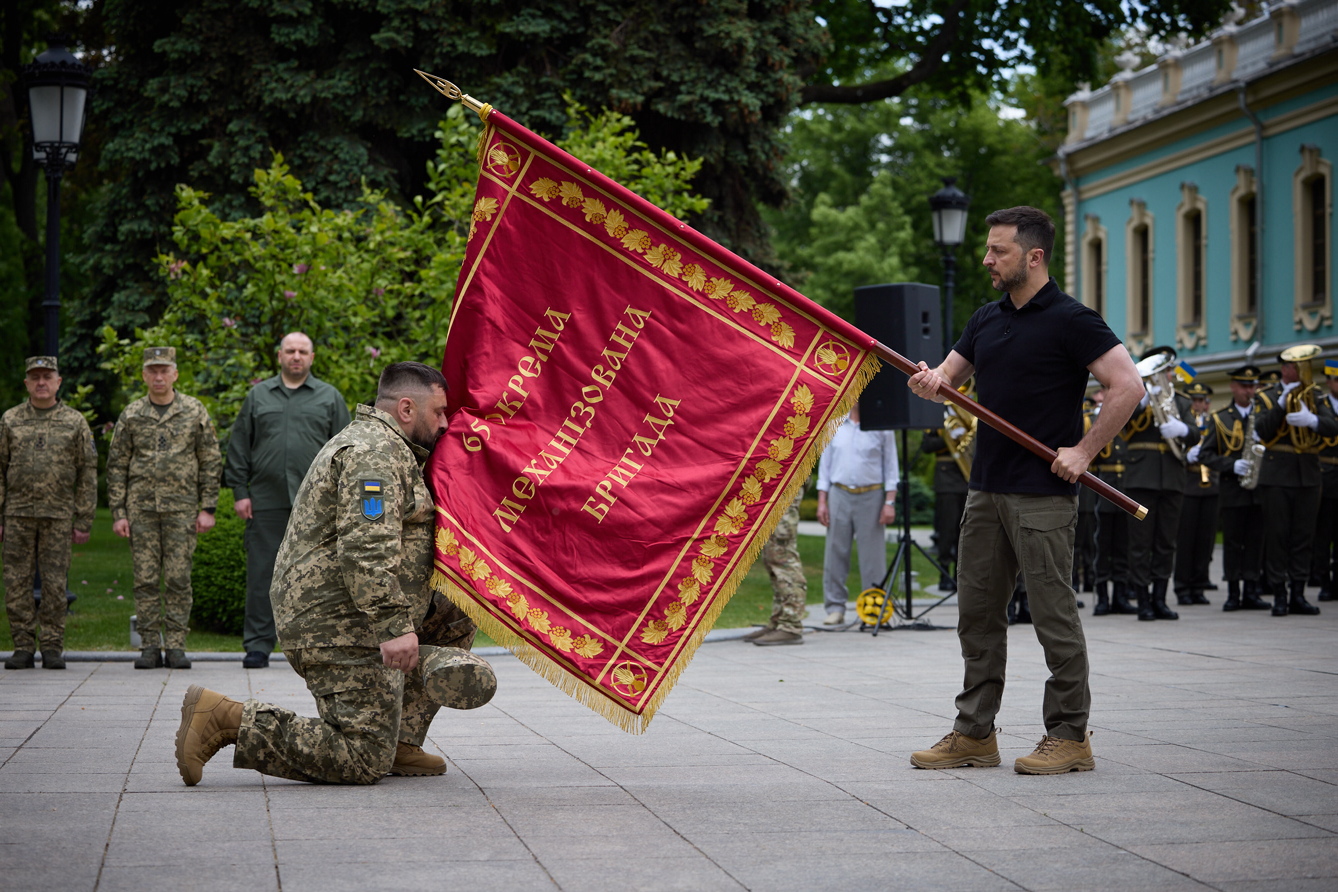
[(882, 599)]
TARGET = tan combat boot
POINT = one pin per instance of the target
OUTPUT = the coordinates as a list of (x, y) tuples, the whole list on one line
[(1055, 755), (956, 750), (209, 722), (411, 761)]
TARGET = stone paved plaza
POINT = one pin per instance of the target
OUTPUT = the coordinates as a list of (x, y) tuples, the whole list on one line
[(779, 768)]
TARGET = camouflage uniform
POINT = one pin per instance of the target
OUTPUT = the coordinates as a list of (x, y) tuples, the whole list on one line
[(781, 558), (48, 489), (352, 573), (162, 470)]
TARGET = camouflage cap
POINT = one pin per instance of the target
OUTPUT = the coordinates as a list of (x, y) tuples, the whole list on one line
[(160, 356), (455, 677), (41, 362)]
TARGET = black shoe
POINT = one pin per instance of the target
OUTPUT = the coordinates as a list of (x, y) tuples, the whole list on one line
[(946, 583), (176, 659), (20, 659), (1196, 597), (1233, 596), (1145, 612), (1119, 599), (53, 659), (256, 659), (1280, 605), (1324, 595), (1158, 598), (1210, 586), (1183, 599), (1298, 604), (150, 658), (1250, 599)]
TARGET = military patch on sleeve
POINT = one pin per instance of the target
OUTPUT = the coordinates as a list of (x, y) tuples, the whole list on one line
[(373, 505)]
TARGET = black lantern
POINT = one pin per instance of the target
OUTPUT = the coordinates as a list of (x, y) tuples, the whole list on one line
[(57, 85), (948, 207)]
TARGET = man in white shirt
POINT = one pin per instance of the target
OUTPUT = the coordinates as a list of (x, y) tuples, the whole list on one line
[(857, 496)]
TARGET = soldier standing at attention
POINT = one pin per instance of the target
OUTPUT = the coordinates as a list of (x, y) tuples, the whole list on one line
[(1226, 449), (1198, 516), (284, 421), (162, 485), (351, 597), (48, 492), (1155, 477), (1294, 420), (790, 604), (1324, 556)]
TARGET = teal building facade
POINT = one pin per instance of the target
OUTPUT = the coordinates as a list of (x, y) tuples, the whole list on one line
[(1199, 193)]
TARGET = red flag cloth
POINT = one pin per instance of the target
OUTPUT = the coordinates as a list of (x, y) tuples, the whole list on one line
[(633, 409)]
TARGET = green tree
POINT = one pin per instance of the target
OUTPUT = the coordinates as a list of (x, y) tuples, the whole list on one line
[(861, 179), (371, 283), (960, 48)]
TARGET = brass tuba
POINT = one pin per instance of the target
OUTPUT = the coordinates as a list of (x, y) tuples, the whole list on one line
[(1303, 395), (1162, 403), (961, 447)]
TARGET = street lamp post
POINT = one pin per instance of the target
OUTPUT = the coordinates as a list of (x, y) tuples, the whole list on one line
[(57, 85), (948, 207)]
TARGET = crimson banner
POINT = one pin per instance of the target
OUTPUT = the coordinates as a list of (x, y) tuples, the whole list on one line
[(633, 408)]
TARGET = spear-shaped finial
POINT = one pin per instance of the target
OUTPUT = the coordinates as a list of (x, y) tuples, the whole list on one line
[(454, 93)]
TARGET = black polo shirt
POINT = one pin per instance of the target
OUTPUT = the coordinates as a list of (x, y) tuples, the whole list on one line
[(1031, 369)]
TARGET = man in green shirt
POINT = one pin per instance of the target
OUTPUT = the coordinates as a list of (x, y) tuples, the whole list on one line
[(284, 421)]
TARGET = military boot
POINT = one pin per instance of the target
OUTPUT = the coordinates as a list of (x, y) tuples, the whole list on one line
[(1145, 612), (1233, 596), (1196, 596), (1280, 601), (956, 750), (1297, 603), (1055, 755), (1119, 599), (209, 722), (1250, 599), (1102, 604), (150, 658), (1159, 601), (411, 761), (54, 659), (1184, 597), (20, 659), (176, 659)]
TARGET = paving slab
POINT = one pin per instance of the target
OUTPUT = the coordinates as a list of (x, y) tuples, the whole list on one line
[(1216, 739)]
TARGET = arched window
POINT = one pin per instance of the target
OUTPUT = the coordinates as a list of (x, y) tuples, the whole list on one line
[(1312, 213), (1191, 248), (1140, 257), (1094, 265), (1244, 255)]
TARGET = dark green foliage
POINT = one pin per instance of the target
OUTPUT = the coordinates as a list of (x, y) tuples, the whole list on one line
[(218, 574), (202, 92)]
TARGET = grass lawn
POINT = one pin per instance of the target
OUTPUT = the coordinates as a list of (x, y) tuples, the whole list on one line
[(101, 578)]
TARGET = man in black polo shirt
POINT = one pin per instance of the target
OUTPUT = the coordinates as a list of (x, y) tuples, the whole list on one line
[(1031, 352)]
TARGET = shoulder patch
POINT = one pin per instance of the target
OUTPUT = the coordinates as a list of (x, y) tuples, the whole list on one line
[(373, 504)]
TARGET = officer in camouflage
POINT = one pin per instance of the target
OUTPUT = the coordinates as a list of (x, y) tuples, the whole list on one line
[(162, 485), (48, 492), (790, 605), (352, 604)]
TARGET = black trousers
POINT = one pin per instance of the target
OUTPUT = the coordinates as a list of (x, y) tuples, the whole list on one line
[(1194, 545), (1112, 546), (1289, 530), (1242, 543), (1152, 539)]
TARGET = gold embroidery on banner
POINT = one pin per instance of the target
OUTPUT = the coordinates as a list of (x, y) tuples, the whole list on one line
[(503, 159), (560, 638), (629, 678), (484, 209), (833, 358), (667, 259), (587, 646)]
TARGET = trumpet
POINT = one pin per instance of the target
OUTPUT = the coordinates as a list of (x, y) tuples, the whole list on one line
[(1162, 403)]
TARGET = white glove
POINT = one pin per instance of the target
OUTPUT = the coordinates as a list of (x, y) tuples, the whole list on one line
[(1172, 428), (1287, 388), (1154, 389), (1241, 467), (956, 432), (1192, 455), (1303, 418)]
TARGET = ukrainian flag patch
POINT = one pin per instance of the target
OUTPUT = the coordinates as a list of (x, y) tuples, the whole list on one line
[(373, 505)]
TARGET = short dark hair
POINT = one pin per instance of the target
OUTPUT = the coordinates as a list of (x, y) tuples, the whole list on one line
[(1035, 229), (400, 378)]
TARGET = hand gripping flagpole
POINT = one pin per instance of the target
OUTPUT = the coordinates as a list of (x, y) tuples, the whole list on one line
[(1012, 432)]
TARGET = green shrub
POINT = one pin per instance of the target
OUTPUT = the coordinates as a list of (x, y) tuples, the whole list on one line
[(218, 574)]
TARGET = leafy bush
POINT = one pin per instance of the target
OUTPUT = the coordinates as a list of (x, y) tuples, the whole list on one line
[(218, 574)]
